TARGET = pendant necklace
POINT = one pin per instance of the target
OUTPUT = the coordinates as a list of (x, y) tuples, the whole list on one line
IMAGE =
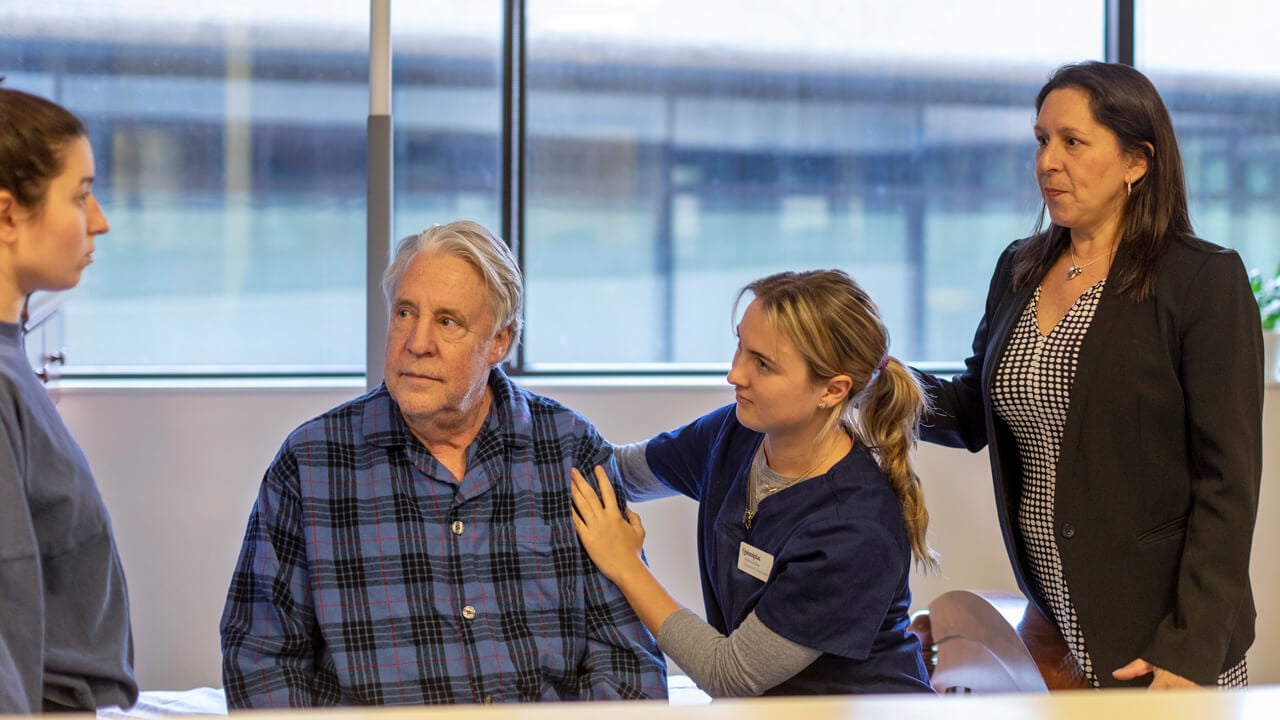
[(753, 479), (1076, 268)]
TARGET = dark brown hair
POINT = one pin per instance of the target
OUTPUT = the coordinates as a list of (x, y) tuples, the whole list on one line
[(1125, 102), (34, 132)]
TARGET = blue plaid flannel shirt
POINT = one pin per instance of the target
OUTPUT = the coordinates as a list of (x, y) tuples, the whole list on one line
[(369, 577)]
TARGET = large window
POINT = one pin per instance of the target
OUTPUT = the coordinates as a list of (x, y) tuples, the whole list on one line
[(1214, 63), (671, 151), (229, 140), (447, 110), (676, 151)]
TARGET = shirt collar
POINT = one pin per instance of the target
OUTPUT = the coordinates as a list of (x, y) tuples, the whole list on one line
[(509, 416)]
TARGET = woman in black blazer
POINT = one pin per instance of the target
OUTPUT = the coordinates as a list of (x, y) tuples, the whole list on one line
[(1117, 378)]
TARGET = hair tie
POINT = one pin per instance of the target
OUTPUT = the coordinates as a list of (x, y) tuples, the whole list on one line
[(884, 361)]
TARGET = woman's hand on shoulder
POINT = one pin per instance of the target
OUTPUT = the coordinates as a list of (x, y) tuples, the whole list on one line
[(614, 542), (1163, 680)]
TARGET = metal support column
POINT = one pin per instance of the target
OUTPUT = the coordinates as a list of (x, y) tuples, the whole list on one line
[(379, 200), (1119, 29)]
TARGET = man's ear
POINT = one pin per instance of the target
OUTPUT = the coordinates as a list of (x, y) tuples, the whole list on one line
[(501, 343)]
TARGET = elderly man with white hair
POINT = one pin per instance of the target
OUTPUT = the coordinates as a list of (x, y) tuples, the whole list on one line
[(416, 545)]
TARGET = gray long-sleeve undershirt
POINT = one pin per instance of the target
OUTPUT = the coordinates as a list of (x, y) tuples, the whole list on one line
[(748, 661), (638, 480)]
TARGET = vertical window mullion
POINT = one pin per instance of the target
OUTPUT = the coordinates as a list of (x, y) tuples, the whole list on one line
[(1119, 28), (513, 135)]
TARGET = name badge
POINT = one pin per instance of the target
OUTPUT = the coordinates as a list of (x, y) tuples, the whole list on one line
[(754, 561)]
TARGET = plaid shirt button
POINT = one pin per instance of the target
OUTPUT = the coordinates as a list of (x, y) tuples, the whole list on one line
[(468, 613)]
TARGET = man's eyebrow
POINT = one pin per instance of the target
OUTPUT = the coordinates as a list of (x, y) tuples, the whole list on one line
[(454, 312)]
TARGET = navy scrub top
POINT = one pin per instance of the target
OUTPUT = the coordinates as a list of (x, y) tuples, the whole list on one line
[(841, 557)]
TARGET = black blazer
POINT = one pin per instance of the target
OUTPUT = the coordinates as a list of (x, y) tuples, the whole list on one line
[(1157, 481)]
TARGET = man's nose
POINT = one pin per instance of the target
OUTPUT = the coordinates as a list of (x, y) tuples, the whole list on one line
[(421, 339)]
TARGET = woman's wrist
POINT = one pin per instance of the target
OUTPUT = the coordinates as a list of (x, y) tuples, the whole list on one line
[(631, 572)]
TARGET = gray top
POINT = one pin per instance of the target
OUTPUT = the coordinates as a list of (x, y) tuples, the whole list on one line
[(640, 483), (748, 661), (65, 640)]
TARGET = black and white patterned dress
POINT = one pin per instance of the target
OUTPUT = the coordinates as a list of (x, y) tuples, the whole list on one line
[(1031, 393)]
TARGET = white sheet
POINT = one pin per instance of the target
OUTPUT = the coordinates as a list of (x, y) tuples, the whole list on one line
[(159, 703), (211, 701)]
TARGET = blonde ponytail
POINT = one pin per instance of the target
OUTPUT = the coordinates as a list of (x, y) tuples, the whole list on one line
[(888, 411)]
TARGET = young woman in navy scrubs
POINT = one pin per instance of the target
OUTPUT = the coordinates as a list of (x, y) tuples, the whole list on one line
[(810, 511)]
